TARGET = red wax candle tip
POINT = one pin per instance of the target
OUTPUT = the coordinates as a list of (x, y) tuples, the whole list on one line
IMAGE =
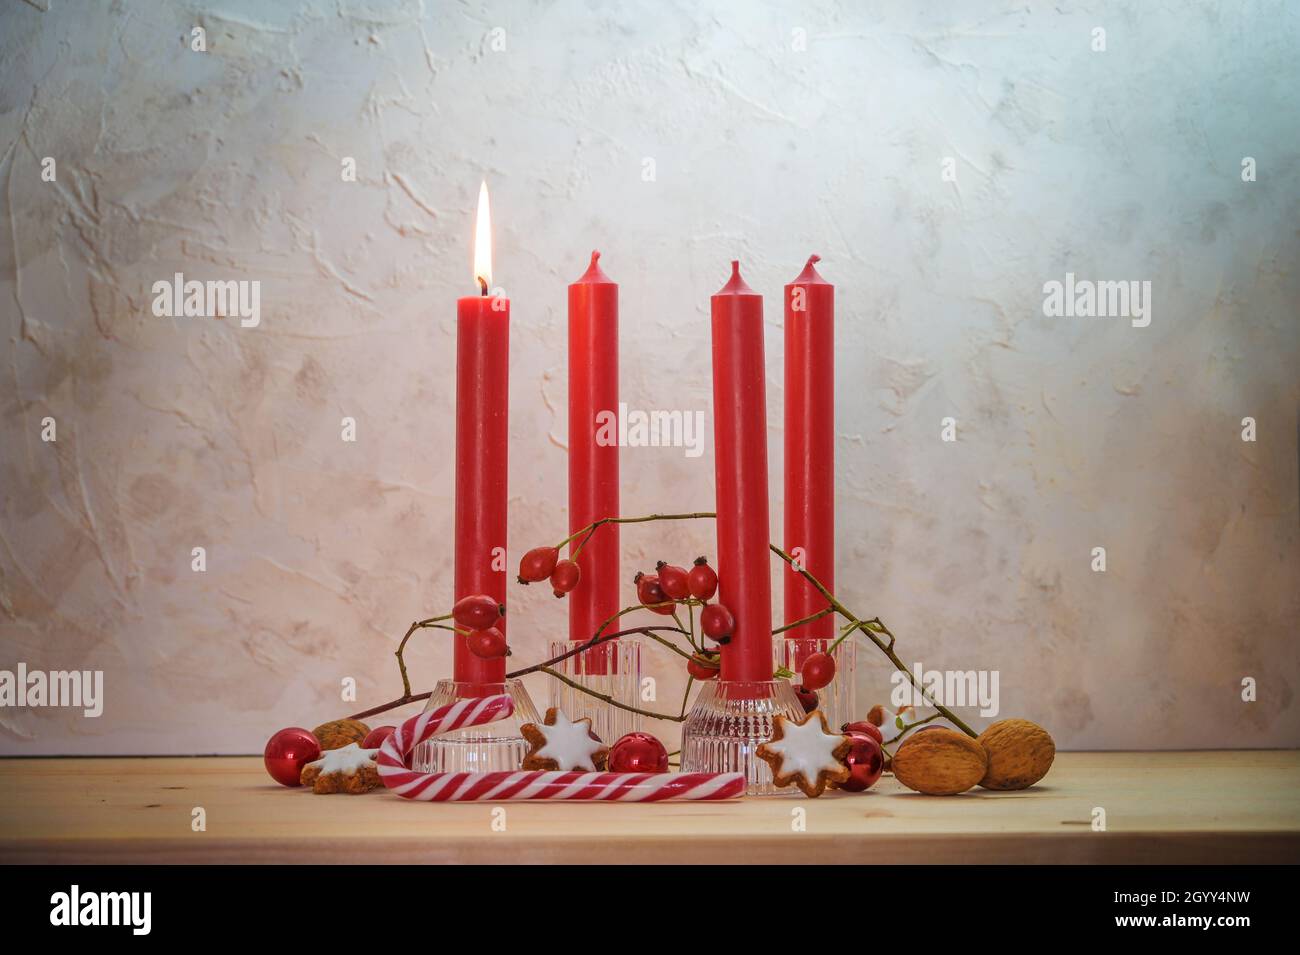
[(594, 274), (736, 285), (810, 273)]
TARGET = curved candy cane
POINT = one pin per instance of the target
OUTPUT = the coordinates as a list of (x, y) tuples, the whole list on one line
[(396, 773)]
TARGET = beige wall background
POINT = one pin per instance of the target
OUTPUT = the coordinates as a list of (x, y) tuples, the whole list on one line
[(1073, 433)]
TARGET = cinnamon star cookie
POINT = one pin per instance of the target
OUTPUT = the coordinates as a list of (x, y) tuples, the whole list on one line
[(806, 754)]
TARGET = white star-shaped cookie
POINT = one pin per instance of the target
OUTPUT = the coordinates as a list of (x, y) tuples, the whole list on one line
[(806, 754), (560, 743), (348, 769)]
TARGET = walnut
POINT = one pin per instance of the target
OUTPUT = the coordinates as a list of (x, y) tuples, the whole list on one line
[(338, 733), (1020, 754)]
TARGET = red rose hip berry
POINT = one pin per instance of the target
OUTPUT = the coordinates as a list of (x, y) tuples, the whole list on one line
[(564, 577), (674, 580), (477, 611), (538, 564), (702, 668), (807, 698), (717, 623), (650, 592), (702, 581), (488, 644), (818, 671)]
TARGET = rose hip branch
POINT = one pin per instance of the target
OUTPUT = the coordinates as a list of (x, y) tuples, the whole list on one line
[(665, 593)]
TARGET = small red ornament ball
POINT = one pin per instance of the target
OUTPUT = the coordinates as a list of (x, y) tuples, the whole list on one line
[(862, 726), (866, 762), (807, 698), (818, 671), (638, 753), (375, 738), (287, 752)]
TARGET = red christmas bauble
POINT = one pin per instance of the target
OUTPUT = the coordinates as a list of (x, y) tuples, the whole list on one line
[(866, 762), (862, 726), (375, 738), (638, 753), (287, 752)]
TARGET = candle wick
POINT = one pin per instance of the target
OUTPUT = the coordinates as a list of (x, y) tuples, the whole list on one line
[(482, 284)]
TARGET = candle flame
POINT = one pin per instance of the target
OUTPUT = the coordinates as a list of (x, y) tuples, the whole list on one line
[(483, 241)]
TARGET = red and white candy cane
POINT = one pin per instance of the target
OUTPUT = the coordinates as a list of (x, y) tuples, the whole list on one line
[(397, 775)]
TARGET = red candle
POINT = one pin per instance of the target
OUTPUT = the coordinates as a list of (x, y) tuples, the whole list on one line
[(740, 439), (593, 450), (482, 379), (809, 447)]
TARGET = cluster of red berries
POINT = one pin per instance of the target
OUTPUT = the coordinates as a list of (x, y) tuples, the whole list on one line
[(661, 592), (543, 563), (669, 585), (479, 613)]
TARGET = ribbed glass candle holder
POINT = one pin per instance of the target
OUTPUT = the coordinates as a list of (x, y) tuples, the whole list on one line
[(612, 668), (477, 749), (838, 700), (728, 723)]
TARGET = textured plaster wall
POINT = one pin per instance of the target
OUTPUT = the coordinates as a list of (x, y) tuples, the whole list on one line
[(1073, 433)]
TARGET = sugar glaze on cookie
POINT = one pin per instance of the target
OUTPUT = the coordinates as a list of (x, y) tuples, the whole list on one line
[(569, 744), (346, 760), (807, 749)]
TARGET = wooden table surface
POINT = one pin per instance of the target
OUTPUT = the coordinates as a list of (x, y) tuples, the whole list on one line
[(1159, 807)]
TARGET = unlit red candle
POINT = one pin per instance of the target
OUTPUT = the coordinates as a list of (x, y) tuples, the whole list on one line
[(482, 438), (593, 452), (740, 460), (809, 447)]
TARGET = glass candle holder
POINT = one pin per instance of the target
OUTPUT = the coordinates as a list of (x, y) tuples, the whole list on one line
[(728, 722), (487, 748), (612, 668), (838, 700)]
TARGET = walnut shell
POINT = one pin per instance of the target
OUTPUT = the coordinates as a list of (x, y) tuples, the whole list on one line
[(1020, 754), (940, 762), (338, 733)]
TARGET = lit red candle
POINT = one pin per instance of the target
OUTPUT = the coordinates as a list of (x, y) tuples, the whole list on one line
[(809, 447), (593, 450), (482, 436), (740, 458)]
